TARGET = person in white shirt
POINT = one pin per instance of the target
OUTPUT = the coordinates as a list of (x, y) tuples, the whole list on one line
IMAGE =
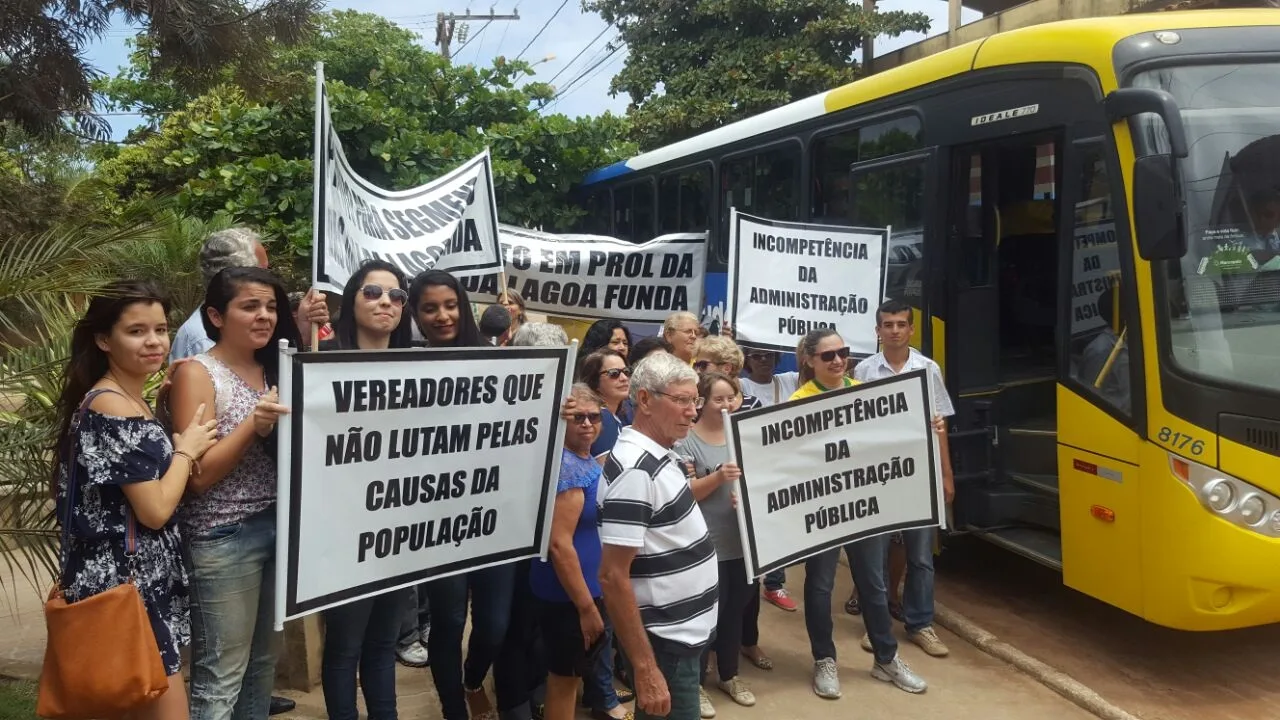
[(911, 551)]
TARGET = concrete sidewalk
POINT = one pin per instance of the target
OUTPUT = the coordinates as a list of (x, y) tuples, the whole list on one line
[(968, 685)]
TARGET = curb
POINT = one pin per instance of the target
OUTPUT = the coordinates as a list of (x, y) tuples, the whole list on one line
[(1056, 680)]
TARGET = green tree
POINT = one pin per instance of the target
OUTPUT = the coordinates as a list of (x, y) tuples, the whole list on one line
[(405, 115), (44, 76), (694, 65)]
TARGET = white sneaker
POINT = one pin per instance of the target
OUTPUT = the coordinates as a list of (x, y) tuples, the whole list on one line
[(736, 689), (826, 679), (704, 705), (899, 673), (413, 655)]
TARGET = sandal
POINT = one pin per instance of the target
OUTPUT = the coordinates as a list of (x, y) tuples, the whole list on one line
[(852, 607), (763, 662)]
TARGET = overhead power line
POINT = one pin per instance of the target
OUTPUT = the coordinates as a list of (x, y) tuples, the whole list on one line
[(542, 29), (584, 49)]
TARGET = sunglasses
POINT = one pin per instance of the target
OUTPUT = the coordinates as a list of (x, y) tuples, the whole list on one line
[(373, 293), (615, 373), (587, 418), (828, 356)]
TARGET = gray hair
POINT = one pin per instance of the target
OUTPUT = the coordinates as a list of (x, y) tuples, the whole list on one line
[(234, 247), (583, 393), (658, 371), (674, 318), (540, 334)]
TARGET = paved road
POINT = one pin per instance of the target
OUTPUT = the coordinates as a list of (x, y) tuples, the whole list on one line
[(1153, 672)]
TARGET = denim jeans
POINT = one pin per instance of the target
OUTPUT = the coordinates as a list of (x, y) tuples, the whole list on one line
[(776, 579), (734, 596), (819, 580), (233, 645), (416, 615), (917, 594), (490, 594), (597, 689), (682, 672), (867, 561), (362, 635), (519, 669)]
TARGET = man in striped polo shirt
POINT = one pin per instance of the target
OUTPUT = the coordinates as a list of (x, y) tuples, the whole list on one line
[(658, 570)]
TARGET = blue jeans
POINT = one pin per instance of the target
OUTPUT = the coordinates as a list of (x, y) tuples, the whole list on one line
[(776, 579), (819, 580), (867, 561), (597, 689), (683, 673), (362, 635), (233, 645), (416, 616), (917, 593), (490, 593)]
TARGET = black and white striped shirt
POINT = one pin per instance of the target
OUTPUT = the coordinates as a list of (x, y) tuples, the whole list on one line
[(646, 503)]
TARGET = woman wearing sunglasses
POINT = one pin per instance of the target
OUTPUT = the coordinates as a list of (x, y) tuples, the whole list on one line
[(825, 360), (362, 635), (606, 373)]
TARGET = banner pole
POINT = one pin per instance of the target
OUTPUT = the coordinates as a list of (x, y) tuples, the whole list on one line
[(284, 465), (749, 561), (317, 179)]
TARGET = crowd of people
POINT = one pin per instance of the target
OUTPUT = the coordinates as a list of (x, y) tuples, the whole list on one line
[(645, 582)]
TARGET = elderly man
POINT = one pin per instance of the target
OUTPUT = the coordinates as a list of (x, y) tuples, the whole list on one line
[(681, 330), (657, 553), (238, 247)]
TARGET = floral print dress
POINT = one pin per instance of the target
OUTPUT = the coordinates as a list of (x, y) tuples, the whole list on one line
[(112, 451)]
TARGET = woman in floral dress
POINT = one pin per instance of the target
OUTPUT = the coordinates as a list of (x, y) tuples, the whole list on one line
[(116, 470)]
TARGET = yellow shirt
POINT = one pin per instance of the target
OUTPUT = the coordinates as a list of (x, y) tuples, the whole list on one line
[(813, 387)]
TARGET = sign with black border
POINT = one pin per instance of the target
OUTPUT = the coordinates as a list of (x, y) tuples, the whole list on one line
[(787, 278), (462, 474), (827, 470)]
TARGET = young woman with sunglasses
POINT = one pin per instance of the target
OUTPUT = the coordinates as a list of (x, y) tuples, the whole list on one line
[(825, 362), (362, 635), (606, 373)]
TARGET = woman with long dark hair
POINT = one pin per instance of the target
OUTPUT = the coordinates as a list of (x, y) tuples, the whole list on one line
[(362, 635), (229, 516), (115, 475), (610, 334), (443, 313)]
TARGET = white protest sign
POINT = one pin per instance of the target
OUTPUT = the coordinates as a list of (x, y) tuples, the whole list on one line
[(1098, 258), (827, 470), (449, 224), (401, 466), (592, 276), (788, 278)]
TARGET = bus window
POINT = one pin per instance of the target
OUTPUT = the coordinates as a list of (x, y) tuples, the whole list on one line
[(596, 220), (889, 138), (893, 196), (832, 156), (669, 203), (684, 200), (642, 212), (622, 216), (1097, 319), (766, 184)]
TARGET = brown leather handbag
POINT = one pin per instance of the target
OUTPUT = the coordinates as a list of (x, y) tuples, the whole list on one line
[(101, 660)]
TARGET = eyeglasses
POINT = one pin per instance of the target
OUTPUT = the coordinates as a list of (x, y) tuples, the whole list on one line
[(702, 365), (759, 356), (587, 418), (615, 373), (683, 401), (373, 293), (830, 355)]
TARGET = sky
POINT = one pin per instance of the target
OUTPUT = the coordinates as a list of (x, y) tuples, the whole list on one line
[(548, 28)]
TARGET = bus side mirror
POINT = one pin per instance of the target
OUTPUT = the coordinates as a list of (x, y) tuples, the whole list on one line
[(1157, 209)]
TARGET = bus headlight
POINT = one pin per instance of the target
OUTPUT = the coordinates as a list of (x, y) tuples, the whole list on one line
[(1238, 502), (1253, 509), (1219, 495)]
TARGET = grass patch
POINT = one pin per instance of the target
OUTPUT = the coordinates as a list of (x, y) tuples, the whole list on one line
[(17, 700)]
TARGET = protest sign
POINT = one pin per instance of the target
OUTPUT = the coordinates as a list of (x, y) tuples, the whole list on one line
[(833, 468), (788, 278), (593, 277), (401, 466), (1098, 260), (449, 224)]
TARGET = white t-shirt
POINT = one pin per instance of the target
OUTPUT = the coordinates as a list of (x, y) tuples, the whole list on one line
[(774, 392)]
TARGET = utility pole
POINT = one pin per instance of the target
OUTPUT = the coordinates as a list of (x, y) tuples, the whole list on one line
[(446, 23), (869, 42)]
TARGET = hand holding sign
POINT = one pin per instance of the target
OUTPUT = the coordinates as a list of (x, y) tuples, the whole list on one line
[(267, 412), (729, 472)]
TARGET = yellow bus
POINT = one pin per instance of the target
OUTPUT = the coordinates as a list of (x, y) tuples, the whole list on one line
[(1084, 219)]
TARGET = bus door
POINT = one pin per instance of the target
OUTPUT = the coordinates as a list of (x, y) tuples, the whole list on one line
[(1001, 235)]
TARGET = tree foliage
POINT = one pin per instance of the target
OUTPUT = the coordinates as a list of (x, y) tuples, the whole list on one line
[(44, 76), (405, 115), (694, 65)]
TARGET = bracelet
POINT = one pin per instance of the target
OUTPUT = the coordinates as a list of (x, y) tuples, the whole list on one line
[(195, 464)]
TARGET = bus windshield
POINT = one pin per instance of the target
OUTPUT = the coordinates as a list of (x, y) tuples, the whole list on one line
[(1223, 297)]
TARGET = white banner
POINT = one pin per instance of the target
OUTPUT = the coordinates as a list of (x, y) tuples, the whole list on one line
[(788, 278), (449, 224), (847, 464), (401, 466), (591, 276)]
